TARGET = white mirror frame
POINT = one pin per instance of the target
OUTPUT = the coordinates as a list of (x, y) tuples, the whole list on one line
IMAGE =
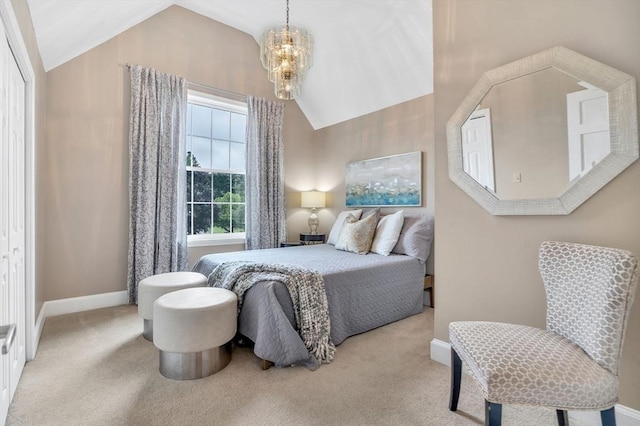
[(623, 125)]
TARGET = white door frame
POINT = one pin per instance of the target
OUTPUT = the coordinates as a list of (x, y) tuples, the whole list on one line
[(20, 52)]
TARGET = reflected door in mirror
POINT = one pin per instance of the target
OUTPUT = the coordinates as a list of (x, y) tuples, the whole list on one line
[(588, 130), (477, 148)]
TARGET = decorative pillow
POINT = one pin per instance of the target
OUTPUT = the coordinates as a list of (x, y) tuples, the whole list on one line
[(387, 233), (416, 237), (371, 211), (356, 235), (337, 226)]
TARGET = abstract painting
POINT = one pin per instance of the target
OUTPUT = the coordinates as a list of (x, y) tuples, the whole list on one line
[(386, 181)]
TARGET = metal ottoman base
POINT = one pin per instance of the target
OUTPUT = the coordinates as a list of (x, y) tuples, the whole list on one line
[(147, 329), (194, 365)]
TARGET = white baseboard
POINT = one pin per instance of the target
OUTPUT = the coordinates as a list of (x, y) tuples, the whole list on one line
[(37, 332), (441, 352), (625, 416), (84, 303)]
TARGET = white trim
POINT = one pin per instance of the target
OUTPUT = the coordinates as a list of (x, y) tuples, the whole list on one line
[(441, 352), (219, 102), (38, 330), (209, 240), (21, 54), (625, 416), (85, 303)]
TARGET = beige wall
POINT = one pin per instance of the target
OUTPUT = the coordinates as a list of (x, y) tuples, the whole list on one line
[(23, 17), (406, 127), (86, 225), (486, 266)]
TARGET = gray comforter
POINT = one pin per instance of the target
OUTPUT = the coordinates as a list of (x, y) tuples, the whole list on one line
[(363, 292)]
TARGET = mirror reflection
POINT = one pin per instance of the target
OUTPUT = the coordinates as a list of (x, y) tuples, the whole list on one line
[(533, 136)]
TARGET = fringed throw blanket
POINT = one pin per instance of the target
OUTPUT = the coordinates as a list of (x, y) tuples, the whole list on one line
[(306, 288)]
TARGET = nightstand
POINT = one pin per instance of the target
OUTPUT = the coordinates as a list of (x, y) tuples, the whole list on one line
[(311, 238), (290, 244), (429, 285)]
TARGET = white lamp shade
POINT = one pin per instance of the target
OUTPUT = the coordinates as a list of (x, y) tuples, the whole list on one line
[(312, 199)]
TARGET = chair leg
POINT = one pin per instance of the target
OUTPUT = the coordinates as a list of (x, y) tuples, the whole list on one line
[(492, 413), (563, 417), (456, 374), (608, 417)]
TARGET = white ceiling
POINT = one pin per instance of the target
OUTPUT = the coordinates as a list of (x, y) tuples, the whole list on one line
[(369, 54)]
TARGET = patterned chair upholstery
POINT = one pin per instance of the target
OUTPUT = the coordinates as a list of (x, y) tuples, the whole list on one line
[(574, 363)]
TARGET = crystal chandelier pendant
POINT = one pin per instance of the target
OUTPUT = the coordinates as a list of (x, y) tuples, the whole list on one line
[(285, 52)]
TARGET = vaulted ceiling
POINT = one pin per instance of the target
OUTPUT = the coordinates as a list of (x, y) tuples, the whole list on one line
[(369, 54)]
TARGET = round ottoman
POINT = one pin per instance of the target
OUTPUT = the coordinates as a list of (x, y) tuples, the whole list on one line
[(193, 329), (150, 288)]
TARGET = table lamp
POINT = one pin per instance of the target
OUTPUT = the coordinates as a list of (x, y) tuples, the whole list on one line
[(313, 200)]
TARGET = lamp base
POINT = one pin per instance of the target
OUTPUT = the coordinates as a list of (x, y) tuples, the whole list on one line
[(313, 222)]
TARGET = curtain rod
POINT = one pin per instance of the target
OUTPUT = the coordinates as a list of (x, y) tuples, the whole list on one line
[(240, 96), (216, 90)]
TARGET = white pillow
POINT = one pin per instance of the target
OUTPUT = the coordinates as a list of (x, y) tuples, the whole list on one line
[(337, 226), (387, 233)]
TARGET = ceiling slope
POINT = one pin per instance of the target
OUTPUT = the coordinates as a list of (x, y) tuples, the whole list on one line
[(369, 54)]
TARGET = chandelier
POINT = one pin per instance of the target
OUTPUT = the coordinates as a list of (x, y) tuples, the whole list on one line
[(285, 51)]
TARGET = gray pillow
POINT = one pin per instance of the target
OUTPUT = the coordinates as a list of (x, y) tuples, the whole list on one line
[(416, 237)]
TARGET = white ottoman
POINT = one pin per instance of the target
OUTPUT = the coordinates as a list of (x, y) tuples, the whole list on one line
[(150, 288), (193, 329)]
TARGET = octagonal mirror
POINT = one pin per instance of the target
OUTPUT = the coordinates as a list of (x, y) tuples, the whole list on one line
[(540, 135)]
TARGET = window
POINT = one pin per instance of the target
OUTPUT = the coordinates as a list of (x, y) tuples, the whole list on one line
[(215, 144)]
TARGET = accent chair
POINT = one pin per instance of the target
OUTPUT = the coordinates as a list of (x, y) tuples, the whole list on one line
[(574, 363)]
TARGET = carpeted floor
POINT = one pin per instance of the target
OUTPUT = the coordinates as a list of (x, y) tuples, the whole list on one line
[(94, 368)]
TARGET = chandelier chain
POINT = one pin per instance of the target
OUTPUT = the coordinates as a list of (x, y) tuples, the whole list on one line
[(287, 15)]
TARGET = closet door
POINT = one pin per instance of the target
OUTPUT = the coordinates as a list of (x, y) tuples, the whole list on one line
[(5, 377), (16, 96), (12, 225)]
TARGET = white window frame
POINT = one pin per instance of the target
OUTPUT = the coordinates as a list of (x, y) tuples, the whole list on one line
[(213, 101)]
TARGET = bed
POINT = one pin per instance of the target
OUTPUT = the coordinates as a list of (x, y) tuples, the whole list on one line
[(363, 292)]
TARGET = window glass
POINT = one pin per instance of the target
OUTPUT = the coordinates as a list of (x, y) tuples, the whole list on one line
[(220, 154), (222, 186), (238, 217), (201, 152), (238, 187), (238, 127), (202, 187), (201, 121), (201, 219), (189, 153), (221, 124), (221, 218), (236, 156)]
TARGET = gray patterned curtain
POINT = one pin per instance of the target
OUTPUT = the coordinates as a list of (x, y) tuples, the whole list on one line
[(265, 226), (157, 176)]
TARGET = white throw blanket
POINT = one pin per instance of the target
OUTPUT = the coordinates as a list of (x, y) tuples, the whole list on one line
[(306, 288)]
